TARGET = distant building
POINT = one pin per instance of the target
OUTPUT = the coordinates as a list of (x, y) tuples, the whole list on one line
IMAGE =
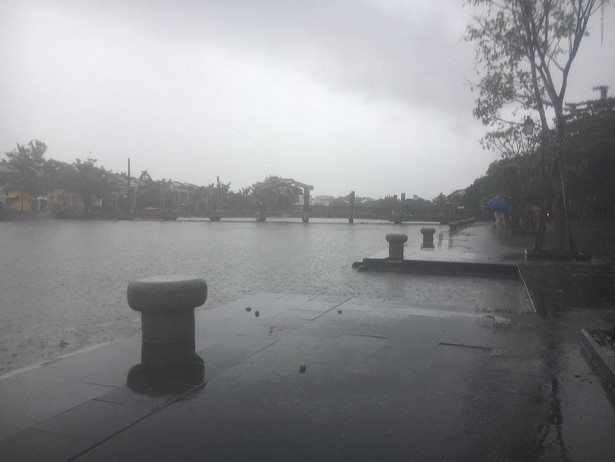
[(60, 201), (13, 196), (184, 193), (18, 200), (5, 173)]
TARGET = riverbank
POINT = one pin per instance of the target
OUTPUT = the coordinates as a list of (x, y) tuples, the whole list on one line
[(12, 215)]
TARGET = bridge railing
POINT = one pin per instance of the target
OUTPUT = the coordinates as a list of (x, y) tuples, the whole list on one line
[(327, 211)]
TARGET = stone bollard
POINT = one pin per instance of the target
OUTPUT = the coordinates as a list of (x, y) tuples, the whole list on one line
[(396, 246), (427, 238), (166, 304)]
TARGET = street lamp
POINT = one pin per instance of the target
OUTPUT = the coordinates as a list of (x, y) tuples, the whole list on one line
[(528, 126)]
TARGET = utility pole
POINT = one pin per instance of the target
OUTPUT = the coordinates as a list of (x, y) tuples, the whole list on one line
[(129, 188)]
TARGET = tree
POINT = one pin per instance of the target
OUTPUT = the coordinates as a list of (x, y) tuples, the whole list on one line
[(215, 195), (240, 200), (222, 191), (525, 49), (148, 192), (88, 180), (440, 202), (520, 149), (52, 174), (145, 176), (589, 151), (28, 161)]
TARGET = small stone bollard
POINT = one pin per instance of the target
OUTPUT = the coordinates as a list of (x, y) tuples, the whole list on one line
[(427, 238), (396, 246), (166, 304)]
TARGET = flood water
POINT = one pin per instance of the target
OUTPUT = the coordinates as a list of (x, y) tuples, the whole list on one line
[(63, 283)]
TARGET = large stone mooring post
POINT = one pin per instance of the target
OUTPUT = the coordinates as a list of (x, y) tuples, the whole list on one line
[(167, 304), (351, 200), (427, 238), (396, 246)]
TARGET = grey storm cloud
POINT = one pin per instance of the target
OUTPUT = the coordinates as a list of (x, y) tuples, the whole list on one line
[(400, 51), (343, 94)]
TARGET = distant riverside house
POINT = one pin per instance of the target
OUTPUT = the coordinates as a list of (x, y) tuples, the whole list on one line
[(18, 200), (6, 173), (14, 197), (61, 201), (184, 194)]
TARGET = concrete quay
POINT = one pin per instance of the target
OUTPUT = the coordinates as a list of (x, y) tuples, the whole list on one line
[(298, 377)]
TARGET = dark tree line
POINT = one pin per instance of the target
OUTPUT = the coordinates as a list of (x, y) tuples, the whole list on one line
[(588, 157), (525, 50), (31, 172)]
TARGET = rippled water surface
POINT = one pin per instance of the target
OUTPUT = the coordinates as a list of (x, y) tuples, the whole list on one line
[(63, 283)]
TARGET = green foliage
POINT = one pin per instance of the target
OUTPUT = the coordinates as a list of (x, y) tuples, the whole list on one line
[(503, 178), (525, 50), (52, 171), (214, 196), (30, 167), (439, 201), (88, 180), (147, 193), (243, 199), (590, 157), (521, 175), (589, 152)]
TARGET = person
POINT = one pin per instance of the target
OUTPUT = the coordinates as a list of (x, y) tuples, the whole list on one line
[(500, 222)]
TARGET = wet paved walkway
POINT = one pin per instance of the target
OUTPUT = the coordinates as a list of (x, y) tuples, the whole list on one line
[(331, 378)]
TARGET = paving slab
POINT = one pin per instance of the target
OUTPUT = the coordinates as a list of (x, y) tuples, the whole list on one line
[(359, 395), (379, 380)]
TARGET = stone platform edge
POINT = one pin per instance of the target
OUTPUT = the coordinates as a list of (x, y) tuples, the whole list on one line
[(440, 268), (449, 268), (599, 359)]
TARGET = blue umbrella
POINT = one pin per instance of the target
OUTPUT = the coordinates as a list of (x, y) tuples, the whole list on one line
[(499, 204)]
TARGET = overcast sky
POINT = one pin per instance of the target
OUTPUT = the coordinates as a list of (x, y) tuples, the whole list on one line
[(340, 94)]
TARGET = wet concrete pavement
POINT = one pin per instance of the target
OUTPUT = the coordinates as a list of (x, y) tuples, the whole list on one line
[(63, 282), (333, 378)]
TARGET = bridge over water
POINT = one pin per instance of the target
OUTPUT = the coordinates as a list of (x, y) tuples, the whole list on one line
[(276, 196)]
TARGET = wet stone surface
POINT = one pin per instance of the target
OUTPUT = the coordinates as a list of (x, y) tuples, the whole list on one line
[(565, 286), (340, 377), (379, 381), (63, 283)]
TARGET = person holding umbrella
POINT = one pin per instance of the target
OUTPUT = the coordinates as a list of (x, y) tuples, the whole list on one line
[(499, 205)]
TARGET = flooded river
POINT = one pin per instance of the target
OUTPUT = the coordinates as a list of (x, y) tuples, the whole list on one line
[(63, 283)]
